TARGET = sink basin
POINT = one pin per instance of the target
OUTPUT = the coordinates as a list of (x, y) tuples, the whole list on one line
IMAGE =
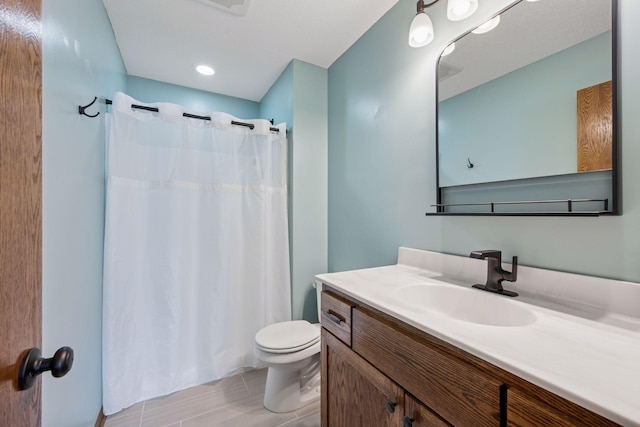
[(466, 304)]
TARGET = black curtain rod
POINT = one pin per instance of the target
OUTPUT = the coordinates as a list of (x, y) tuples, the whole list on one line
[(195, 116)]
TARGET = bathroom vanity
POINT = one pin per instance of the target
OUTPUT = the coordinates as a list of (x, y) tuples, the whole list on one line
[(413, 345)]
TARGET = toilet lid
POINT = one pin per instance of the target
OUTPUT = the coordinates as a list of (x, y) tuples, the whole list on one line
[(287, 337)]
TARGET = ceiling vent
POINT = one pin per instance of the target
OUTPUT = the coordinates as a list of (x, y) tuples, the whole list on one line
[(235, 7)]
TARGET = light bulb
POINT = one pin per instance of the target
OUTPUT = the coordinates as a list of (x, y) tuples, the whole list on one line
[(458, 10), (460, 7), (487, 26), (449, 49), (421, 30)]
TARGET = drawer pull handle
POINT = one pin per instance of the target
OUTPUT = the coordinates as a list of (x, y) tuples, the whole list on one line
[(391, 406), (406, 421), (334, 317)]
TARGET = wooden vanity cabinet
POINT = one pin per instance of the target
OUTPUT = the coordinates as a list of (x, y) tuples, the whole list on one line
[(379, 371), (360, 395)]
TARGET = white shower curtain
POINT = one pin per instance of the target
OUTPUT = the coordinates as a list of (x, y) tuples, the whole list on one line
[(196, 254)]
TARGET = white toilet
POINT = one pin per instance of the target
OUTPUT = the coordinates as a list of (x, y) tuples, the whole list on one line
[(291, 351)]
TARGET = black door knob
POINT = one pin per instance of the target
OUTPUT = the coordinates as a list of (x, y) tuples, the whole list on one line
[(33, 364)]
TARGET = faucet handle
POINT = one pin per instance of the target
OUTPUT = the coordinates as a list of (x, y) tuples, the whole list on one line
[(512, 276)]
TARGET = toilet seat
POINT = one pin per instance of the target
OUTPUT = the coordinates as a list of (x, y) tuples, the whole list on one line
[(287, 337)]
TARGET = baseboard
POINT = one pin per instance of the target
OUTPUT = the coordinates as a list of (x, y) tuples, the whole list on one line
[(101, 420)]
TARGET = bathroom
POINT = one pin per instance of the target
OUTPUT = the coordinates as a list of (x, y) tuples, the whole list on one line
[(361, 191)]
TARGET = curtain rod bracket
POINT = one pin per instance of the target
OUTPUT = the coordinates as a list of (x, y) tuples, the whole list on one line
[(81, 109)]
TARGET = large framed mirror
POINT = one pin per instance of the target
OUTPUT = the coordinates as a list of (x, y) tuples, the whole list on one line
[(527, 113)]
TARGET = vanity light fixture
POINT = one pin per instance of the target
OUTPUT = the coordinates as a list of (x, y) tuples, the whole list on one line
[(457, 10), (205, 70), (421, 31), (487, 26)]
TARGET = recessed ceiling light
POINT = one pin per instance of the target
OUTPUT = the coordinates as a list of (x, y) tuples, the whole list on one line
[(205, 70)]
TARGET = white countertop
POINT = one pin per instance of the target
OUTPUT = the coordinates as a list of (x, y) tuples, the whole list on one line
[(584, 344)]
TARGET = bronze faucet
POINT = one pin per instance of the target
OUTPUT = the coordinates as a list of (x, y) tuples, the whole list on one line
[(495, 274)]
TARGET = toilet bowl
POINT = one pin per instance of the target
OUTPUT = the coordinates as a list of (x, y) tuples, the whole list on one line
[(291, 351)]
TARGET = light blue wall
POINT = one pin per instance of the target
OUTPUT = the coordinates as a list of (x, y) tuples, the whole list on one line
[(542, 92), (277, 103), (382, 161), (299, 97), (381, 145), (309, 187), (147, 90), (80, 61)]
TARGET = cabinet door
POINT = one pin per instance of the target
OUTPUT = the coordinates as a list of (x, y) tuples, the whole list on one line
[(418, 415), (456, 390), (354, 393)]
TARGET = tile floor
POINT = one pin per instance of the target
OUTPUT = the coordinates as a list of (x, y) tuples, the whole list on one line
[(233, 401)]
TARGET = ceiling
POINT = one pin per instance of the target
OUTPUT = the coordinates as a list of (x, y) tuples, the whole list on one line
[(165, 39), (527, 33)]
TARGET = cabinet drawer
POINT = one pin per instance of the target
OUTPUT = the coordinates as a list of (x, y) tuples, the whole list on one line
[(524, 410), (455, 390), (336, 316)]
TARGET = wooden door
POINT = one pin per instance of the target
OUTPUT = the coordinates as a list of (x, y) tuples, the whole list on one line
[(595, 127), (354, 393), (20, 204)]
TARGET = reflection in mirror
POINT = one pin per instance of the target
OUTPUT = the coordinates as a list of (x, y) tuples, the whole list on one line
[(525, 113)]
